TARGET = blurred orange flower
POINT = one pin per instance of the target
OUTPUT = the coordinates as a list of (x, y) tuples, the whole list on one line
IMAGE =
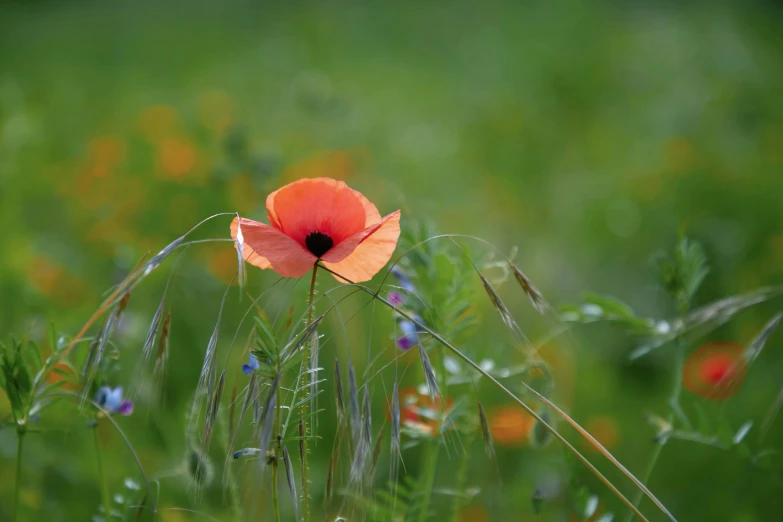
[(176, 157), (320, 219), (604, 429), (223, 264), (715, 370), (510, 425), (104, 154), (473, 513), (54, 377)]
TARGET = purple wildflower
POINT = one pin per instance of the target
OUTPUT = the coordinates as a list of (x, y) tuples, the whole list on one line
[(396, 298), (248, 369), (111, 400)]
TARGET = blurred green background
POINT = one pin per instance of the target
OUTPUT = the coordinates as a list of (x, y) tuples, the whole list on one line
[(587, 134)]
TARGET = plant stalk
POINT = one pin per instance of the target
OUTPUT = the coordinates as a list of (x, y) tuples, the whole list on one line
[(276, 446), (306, 378), (104, 488), (428, 478), (19, 446), (674, 404)]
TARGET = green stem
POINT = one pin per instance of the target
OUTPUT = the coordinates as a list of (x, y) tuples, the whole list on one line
[(102, 476), (462, 477), (19, 447), (306, 404), (276, 446), (674, 404), (428, 478)]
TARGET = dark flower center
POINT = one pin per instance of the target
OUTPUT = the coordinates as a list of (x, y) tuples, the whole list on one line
[(318, 244)]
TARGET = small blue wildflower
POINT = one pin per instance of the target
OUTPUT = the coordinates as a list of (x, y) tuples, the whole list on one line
[(409, 338), (248, 369), (403, 279), (111, 399)]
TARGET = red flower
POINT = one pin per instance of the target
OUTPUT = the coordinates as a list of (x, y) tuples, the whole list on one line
[(420, 412), (320, 219), (715, 370)]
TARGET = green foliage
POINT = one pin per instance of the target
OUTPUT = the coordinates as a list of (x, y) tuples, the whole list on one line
[(15, 373), (682, 274)]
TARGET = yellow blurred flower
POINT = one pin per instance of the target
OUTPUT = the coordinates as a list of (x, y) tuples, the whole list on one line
[(216, 110), (679, 155), (243, 196), (336, 164), (157, 122)]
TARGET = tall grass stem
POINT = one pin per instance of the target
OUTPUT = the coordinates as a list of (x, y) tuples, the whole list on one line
[(18, 486), (102, 476)]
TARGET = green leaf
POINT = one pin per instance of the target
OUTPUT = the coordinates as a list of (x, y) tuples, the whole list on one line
[(35, 353)]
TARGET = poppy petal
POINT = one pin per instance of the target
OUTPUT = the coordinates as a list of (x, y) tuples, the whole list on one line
[(286, 257), (346, 248), (371, 254), (370, 210), (250, 255), (320, 205)]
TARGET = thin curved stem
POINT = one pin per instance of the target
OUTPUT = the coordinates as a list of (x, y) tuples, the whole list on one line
[(428, 478), (674, 403), (17, 488), (102, 476), (124, 437), (532, 412)]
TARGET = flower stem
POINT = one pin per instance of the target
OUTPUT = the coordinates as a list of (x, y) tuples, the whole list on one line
[(102, 476), (276, 446), (305, 405), (19, 447), (674, 403), (428, 478)]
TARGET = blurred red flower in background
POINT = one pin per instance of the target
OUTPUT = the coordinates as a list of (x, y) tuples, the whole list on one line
[(715, 370), (421, 412)]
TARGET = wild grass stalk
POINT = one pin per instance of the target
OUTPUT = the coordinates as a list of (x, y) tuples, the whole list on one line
[(20, 433), (105, 497), (427, 477)]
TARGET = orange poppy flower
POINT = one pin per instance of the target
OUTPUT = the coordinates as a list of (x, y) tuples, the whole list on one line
[(320, 219), (715, 370)]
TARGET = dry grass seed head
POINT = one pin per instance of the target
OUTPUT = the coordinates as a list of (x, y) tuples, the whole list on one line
[(536, 297)]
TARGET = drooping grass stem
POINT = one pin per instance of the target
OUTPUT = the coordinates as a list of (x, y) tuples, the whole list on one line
[(102, 476), (17, 488), (276, 450), (454, 350)]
